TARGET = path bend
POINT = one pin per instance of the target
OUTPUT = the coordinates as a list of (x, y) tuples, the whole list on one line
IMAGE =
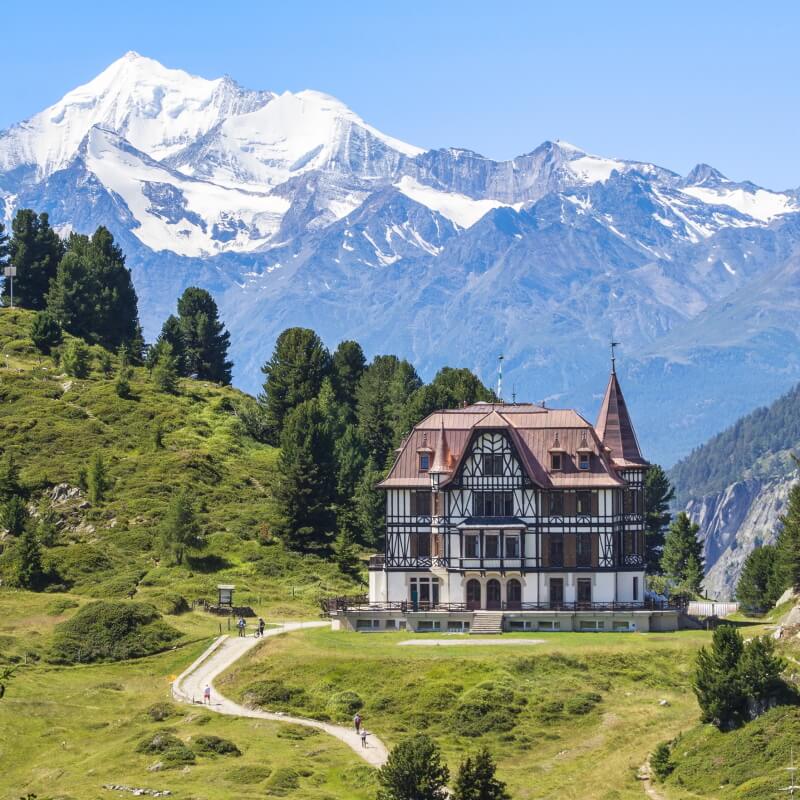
[(225, 651)]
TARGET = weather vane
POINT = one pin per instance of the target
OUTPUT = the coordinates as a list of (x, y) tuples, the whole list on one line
[(613, 356)]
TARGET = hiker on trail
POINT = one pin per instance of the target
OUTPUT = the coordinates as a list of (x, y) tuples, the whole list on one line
[(241, 625), (261, 626), (357, 723), (364, 735), (207, 695)]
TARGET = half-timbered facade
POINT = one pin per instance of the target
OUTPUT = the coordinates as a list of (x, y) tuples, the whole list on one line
[(527, 514)]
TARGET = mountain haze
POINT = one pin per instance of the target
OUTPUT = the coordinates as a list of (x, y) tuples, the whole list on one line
[(295, 211)]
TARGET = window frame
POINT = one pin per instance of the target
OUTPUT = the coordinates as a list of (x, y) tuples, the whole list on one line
[(491, 541), (493, 460), (556, 462), (424, 462), (583, 495), (472, 539), (584, 459), (559, 497), (511, 538), (414, 503)]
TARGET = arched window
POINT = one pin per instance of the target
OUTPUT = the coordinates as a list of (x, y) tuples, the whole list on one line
[(514, 594), (473, 594), (493, 594)]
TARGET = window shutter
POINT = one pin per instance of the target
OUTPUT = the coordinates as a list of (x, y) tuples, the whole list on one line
[(569, 504), (595, 504)]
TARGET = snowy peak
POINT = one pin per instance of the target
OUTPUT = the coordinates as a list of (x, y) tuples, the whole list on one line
[(704, 175)]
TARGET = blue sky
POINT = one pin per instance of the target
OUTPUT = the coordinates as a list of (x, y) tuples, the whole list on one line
[(675, 83)]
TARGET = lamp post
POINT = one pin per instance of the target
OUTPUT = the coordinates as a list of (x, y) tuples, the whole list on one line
[(11, 273)]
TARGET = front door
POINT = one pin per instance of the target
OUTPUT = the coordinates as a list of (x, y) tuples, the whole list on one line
[(556, 592), (493, 594), (584, 592), (473, 594)]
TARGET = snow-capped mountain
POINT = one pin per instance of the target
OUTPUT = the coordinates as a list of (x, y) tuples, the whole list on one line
[(294, 210)]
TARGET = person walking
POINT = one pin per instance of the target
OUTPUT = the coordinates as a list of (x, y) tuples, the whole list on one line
[(357, 723), (241, 624), (207, 695), (364, 735), (261, 626)]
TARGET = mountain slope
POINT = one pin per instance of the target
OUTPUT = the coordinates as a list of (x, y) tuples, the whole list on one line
[(736, 486), (294, 210)]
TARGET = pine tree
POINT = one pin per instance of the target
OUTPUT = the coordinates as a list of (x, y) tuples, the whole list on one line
[(661, 761), (10, 485), (122, 383), (347, 367), (14, 515), (760, 669), (414, 771), (476, 779), (345, 553), (92, 294), (76, 359), (305, 490), (756, 588), (35, 251), (29, 569), (97, 481), (45, 332), (369, 507), (788, 547), (172, 334), (180, 530), (203, 337), (682, 558), (294, 375), (658, 494), (717, 682), (165, 370)]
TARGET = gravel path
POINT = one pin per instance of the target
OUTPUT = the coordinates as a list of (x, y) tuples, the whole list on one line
[(188, 688), (473, 642)]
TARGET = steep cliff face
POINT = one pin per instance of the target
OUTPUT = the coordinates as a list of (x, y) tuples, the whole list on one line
[(733, 522)]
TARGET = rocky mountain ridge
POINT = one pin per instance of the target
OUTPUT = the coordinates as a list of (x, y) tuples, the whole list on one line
[(295, 211)]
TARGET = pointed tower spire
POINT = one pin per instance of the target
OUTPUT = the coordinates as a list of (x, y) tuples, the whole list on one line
[(614, 426), (441, 456)]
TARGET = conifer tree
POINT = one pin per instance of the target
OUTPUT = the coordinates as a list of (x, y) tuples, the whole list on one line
[(14, 515), (76, 359), (476, 779), (97, 482), (294, 375), (658, 493), (203, 337), (45, 332), (682, 559), (305, 490), (122, 383), (369, 506), (414, 771), (180, 530), (347, 367), (10, 485), (345, 553), (788, 548), (758, 588), (661, 761), (29, 569), (165, 370), (172, 334), (716, 682), (35, 250)]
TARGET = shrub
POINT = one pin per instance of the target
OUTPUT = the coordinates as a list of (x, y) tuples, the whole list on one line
[(283, 781), (344, 704), (111, 631), (296, 733), (215, 745), (75, 359), (158, 712), (660, 761), (58, 607), (414, 771), (170, 748), (170, 603), (249, 773), (489, 707), (582, 703), (263, 694)]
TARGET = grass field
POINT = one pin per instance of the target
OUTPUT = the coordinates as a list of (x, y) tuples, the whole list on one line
[(572, 718)]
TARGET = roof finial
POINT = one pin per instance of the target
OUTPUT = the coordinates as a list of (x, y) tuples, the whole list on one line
[(613, 357), (500, 377)]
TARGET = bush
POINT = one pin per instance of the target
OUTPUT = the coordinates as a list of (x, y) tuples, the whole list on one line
[(170, 748), (489, 707), (660, 761), (75, 359), (264, 694), (296, 733), (215, 745), (582, 703), (158, 712), (283, 781), (414, 771), (111, 631), (343, 705), (170, 603), (249, 773), (58, 607)]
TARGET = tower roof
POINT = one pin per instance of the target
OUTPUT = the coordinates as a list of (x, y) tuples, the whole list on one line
[(442, 460), (615, 429)]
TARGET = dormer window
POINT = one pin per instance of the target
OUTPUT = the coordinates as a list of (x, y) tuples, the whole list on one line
[(584, 460), (555, 462), (424, 462)]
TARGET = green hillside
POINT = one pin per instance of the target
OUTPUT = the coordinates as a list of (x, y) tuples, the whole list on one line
[(152, 444), (756, 446)]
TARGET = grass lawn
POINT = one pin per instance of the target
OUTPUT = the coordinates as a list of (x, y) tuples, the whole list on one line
[(571, 718)]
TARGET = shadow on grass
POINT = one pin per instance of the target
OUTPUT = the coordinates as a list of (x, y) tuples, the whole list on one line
[(208, 563)]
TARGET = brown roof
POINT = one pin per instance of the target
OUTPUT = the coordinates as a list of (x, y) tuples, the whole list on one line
[(615, 429), (532, 430)]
